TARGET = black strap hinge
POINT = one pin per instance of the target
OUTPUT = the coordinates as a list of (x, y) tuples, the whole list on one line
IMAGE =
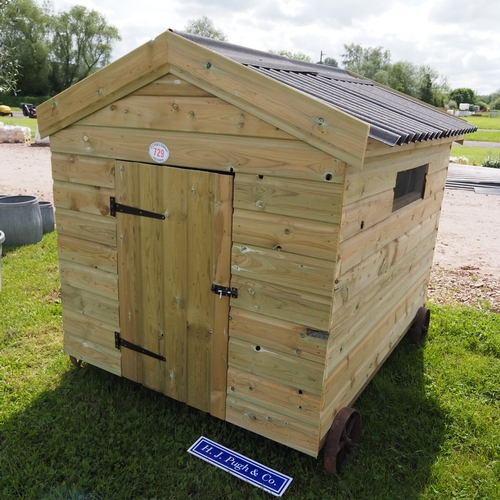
[(126, 209), (119, 342), (224, 290)]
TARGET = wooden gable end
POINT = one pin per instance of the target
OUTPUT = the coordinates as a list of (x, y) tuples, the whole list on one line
[(301, 116), (200, 130)]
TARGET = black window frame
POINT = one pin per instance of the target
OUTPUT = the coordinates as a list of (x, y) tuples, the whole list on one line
[(410, 186)]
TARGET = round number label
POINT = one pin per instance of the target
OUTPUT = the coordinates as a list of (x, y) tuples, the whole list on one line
[(159, 152)]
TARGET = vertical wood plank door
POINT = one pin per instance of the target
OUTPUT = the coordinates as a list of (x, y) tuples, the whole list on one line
[(166, 270)]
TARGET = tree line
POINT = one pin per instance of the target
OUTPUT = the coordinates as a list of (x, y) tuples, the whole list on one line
[(43, 52), (419, 81)]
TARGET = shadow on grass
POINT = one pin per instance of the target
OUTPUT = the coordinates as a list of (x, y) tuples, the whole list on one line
[(97, 436), (403, 430)]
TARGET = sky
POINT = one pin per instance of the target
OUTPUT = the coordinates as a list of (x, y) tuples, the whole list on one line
[(458, 38)]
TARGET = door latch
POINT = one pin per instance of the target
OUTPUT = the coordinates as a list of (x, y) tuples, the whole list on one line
[(224, 291)]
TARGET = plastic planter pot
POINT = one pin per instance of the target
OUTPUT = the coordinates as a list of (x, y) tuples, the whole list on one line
[(20, 220), (2, 239), (47, 211)]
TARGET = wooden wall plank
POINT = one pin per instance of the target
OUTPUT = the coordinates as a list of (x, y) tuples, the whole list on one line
[(83, 170), (283, 303), (415, 272), (383, 291), (282, 268), (292, 235), (200, 321), (420, 239), (356, 249), (86, 226), (364, 214), (262, 361), (273, 425), (85, 328), (171, 85), (300, 405), (308, 200), (435, 182), (434, 154), (223, 153), (94, 306), (130, 290), (92, 353), (82, 198), (279, 335), (175, 282), (209, 115), (89, 279), (147, 191), (86, 253)]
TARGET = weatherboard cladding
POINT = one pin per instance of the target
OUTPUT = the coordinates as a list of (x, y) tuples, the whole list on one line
[(393, 118)]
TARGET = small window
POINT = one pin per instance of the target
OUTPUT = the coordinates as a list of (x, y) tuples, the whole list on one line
[(410, 186)]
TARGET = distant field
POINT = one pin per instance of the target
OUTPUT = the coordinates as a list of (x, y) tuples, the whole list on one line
[(484, 122), (483, 136), (476, 156)]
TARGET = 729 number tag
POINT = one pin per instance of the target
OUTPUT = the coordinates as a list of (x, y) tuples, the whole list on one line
[(159, 152)]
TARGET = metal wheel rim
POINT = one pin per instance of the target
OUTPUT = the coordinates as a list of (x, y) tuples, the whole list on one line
[(76, 362), (342, 440), (420, 326)]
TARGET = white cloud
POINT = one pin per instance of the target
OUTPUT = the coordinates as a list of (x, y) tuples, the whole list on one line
[(465, 13)]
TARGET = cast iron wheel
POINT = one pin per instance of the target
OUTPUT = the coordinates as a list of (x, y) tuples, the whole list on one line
[(342, 439), (75, 362), (420, 326)]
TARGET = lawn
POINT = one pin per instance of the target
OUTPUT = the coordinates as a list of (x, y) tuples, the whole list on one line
[(484, 122), (475, 156), (431, 416), (23, 122), (481, 135)]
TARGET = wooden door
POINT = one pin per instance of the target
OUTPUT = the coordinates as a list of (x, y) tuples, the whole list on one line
[(166, 270)]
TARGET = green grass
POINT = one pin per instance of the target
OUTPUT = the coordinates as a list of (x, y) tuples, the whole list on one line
[(431, 416), (476, 156), (483, 136), (22, 122), (484, 121)]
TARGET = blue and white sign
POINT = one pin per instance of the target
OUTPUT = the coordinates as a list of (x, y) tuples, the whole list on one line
[(252, 472)]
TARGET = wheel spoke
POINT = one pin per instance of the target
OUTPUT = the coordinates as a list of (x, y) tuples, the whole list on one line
[(420, 326), (76, 362), (342, 439)]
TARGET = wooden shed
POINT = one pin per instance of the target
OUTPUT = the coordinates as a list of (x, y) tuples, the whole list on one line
[(242, 232)]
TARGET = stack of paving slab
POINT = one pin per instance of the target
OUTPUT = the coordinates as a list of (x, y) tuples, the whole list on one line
[(11, 133), (482, 180)]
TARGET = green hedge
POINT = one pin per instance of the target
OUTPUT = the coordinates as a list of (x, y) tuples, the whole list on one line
[(14, 101)]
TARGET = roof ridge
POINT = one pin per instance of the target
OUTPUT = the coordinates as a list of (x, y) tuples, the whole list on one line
[(258, 58)]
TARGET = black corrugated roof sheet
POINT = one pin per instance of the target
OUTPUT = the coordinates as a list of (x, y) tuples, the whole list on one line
[(393, 118)]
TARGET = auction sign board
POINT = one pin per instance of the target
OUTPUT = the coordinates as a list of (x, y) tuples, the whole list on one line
[(250, 471)]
